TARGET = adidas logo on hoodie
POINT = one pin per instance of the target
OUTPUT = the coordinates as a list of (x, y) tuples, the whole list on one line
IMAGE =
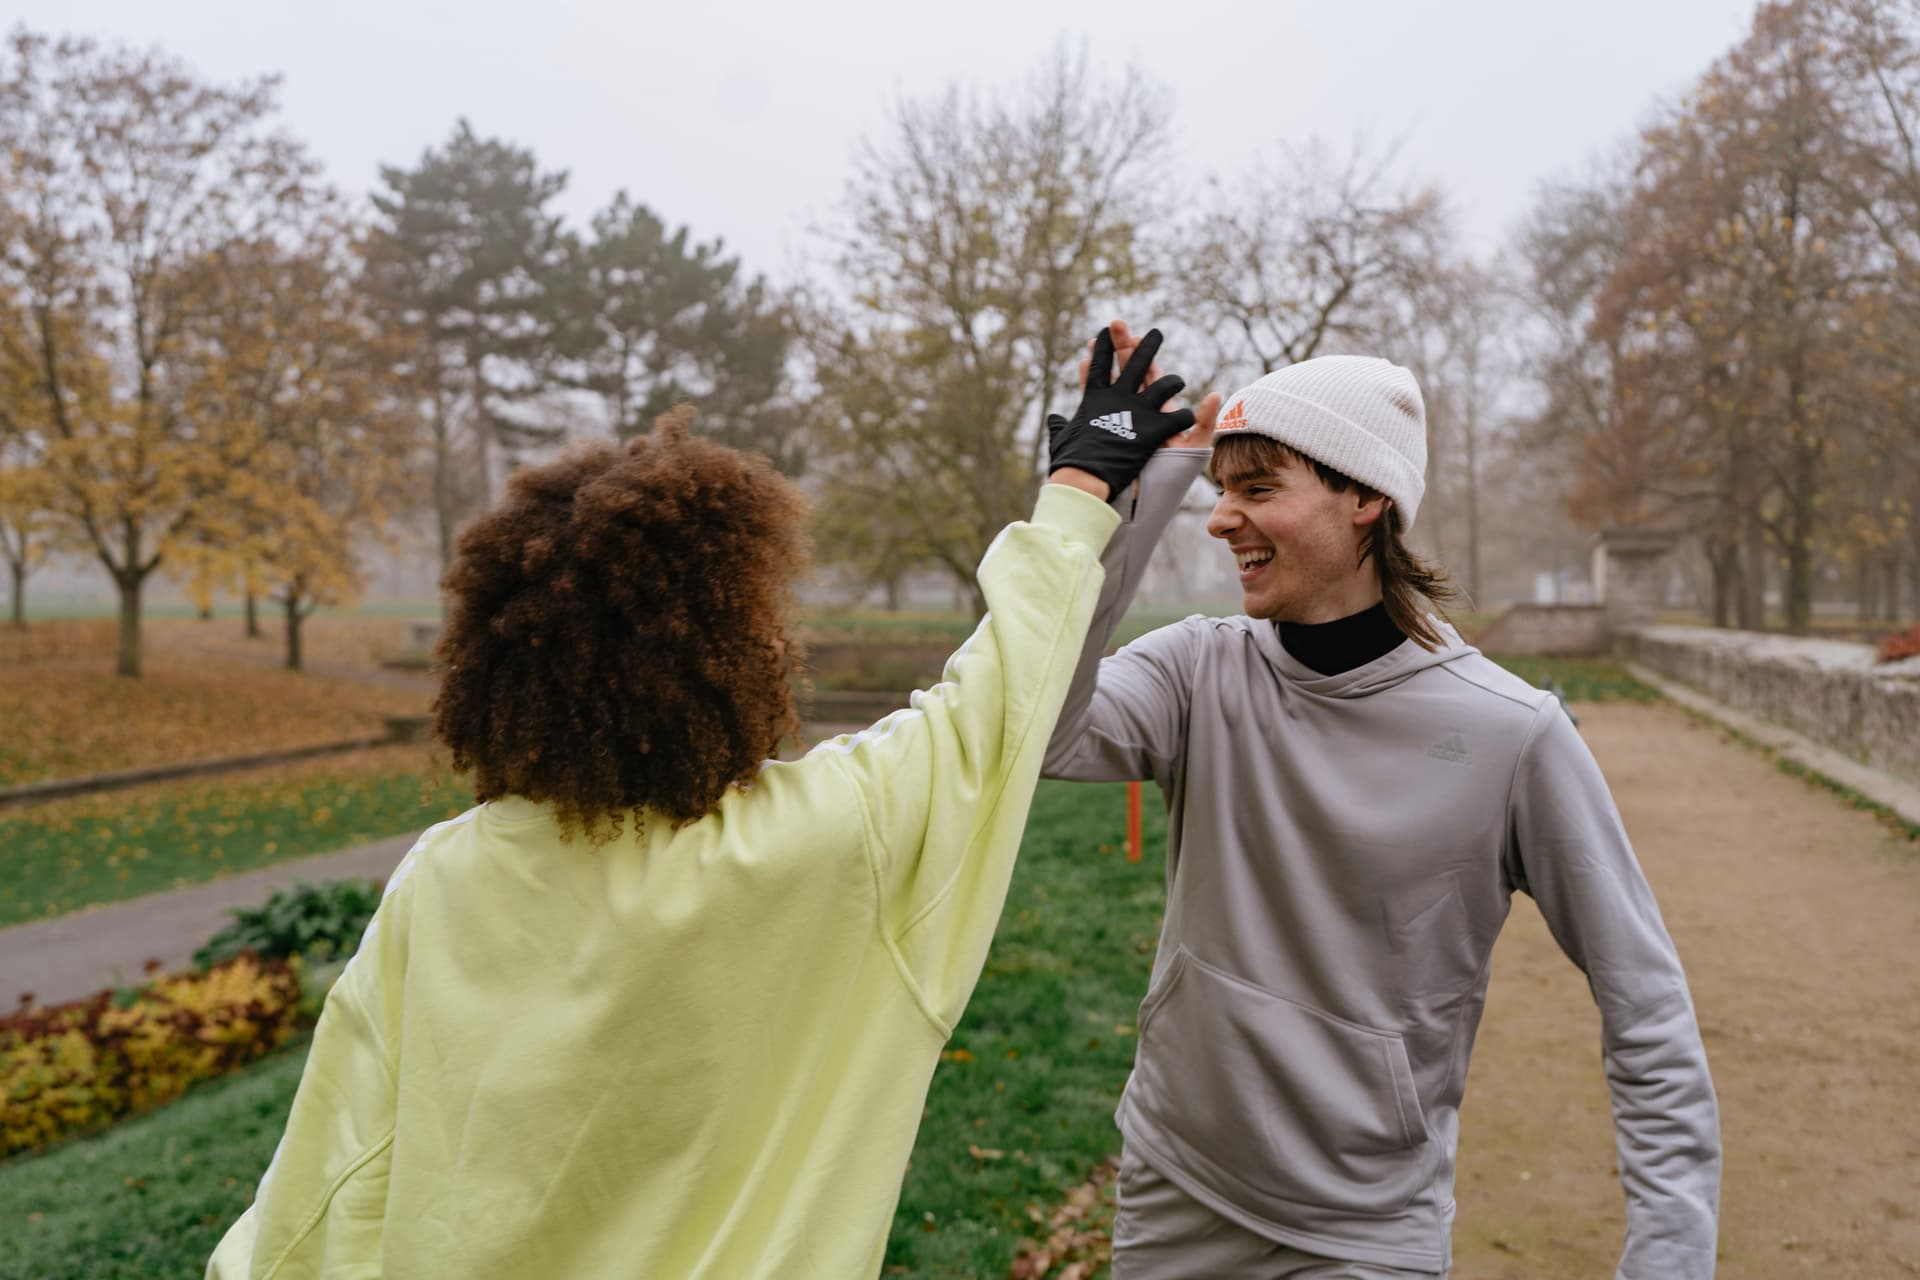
[(1121, 424), (1452, 749)]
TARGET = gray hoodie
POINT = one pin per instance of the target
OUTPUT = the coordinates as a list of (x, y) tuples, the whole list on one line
[(1341, 854)]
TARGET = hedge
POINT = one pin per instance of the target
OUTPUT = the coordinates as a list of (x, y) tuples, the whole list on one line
[(70, 1068)]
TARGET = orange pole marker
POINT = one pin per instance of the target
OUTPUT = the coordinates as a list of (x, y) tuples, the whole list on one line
[(1133, 822)]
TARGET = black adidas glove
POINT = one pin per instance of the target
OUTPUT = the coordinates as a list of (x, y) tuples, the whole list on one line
[(1119, 424)]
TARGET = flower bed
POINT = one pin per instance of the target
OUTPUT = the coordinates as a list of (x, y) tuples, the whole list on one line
[(74, 1067)]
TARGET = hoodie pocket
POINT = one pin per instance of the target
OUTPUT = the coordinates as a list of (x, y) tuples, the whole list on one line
[(1278, 1098)]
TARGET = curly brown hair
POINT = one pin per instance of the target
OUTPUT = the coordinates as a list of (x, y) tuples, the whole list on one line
[(619, 635)]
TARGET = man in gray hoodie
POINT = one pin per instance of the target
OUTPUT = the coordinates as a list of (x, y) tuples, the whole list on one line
[(1354, 795)]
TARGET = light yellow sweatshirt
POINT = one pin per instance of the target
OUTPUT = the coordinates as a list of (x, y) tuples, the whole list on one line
[(693, 1053)]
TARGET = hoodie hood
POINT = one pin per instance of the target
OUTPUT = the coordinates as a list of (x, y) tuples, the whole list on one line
[(1384, 672)]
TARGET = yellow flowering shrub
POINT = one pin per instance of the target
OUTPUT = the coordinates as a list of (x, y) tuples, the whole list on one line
[(77, 1066)]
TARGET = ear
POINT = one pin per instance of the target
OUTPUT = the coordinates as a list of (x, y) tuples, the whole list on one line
[(1370, 510)]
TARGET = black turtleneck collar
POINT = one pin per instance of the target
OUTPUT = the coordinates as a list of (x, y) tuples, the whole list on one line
[(1337, 647)]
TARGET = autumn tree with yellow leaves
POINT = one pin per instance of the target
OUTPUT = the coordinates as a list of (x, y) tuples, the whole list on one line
[(26, 529), (124, 176), (27, 526), (299, 369)]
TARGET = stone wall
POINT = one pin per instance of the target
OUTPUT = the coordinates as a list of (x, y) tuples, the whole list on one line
[(1558, 630), (1831, 691)]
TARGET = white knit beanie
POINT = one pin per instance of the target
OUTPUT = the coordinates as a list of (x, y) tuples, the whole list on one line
[(1360, 415)]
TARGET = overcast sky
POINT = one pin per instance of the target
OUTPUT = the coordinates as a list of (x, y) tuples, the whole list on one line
[(740, 120)]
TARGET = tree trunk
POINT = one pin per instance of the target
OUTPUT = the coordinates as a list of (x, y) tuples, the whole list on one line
[(294, 619), (1723, 561), (1472, 432), (1799, 585), (969, 594), (1747, 537), (19, 597), (483, 448), (1753, 578), (129, 582), (1801, 522), (443, 478), (205, 612), (1473, 526), (253, 614)]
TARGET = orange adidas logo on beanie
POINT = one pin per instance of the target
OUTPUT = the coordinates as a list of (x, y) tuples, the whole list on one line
[(1235, 418)]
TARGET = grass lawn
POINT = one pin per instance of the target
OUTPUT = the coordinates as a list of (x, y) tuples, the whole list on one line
[(68, 854), (1582, 679), (151, 1197), (877, 626), (1021, 1109)]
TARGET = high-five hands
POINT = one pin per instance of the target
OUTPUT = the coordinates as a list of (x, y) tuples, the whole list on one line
[(1120, 422), (1200, 435)]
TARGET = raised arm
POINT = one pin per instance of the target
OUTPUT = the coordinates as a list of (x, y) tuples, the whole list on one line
[(1121, 716), (943, 787), (1570, 852)]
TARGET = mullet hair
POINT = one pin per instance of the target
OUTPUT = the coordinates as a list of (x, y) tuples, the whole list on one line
[(1412, 588)]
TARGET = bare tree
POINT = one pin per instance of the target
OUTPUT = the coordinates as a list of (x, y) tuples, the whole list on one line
[(1312, 251), (980, 235), (1453, 336), (1732, 299)]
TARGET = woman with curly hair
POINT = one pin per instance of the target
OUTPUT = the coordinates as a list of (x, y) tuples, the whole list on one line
[(659, 1005)]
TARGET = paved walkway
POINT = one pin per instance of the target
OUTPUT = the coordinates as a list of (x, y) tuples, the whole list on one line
[(75, 955), (108, 946)]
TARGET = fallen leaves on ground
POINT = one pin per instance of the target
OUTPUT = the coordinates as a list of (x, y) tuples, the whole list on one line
[(333, 644), (66, 714), (1077, 1244)]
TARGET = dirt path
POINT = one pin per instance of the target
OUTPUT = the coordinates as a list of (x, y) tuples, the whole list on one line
[(1799, 924)]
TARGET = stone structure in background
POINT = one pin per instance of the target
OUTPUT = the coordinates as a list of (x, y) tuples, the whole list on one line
[(1548, 630), (1628, 574), (1629, 581), (1832, 691)]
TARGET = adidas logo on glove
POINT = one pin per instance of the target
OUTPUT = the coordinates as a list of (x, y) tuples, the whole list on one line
[(1120, 422)]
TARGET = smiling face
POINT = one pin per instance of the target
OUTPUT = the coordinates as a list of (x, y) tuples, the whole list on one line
[(1297, 539)]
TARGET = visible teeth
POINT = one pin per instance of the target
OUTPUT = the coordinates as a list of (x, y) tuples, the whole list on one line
[(1248, 559)]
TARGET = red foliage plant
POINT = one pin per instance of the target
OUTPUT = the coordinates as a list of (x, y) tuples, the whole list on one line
[(73, 1067), (1901, 644)]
